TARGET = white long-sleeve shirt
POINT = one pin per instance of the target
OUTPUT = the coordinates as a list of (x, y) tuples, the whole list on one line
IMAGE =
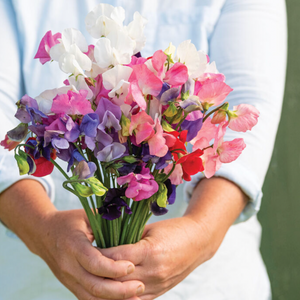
[(246, 39)]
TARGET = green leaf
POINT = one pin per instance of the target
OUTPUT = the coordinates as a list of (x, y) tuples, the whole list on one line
[(22, 164), (97, 187), (162, 195), (160, 177)]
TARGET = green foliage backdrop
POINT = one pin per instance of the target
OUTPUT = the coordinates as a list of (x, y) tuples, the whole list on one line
[(280, 212)]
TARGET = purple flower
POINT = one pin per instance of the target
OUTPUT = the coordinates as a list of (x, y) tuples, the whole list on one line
[(171, 194), (89, 124), (192, 127), (85, 170), (169, 95), (157, 210), (113, 204), (22, 114)]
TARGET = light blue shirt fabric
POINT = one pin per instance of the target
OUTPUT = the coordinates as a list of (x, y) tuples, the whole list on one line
[(247, 39)]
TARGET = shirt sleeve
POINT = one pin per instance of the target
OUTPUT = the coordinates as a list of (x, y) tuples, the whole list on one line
[(11, 90), (249, 46)]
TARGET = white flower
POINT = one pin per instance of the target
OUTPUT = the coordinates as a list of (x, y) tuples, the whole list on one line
[(69, 52), (103, 19), (74, 61), (77, 83), (188, 55), (135, 30), (116, 48), (116, 80)]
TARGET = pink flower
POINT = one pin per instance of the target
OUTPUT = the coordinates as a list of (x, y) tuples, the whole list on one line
[(142, 83), (157, 143), (176, 175), (177, 75), (205, 135), (243, 117), (47, 42), (230, 151), (9, 144), (213, 93), (142, 126), (72, 103), (140, 186)]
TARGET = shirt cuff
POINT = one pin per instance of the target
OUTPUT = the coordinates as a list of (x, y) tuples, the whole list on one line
[(242, 177)]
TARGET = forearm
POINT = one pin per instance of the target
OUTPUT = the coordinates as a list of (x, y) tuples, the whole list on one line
[(23, 209), (214, 206)]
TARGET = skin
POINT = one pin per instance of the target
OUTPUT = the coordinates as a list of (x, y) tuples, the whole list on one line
[(167, 253)]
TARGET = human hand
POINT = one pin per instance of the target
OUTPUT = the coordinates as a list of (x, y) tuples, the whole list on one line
[(167, 253), (66, 247)]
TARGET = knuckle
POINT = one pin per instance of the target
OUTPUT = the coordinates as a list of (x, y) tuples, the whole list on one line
[(96, 289)]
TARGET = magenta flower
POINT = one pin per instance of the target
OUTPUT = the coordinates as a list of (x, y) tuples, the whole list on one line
[(47, 42), (72, 104), (140, 186)]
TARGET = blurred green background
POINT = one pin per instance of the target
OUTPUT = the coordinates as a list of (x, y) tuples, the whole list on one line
[(280, 212)]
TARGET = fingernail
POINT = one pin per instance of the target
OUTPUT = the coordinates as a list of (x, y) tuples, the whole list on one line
[(140, 290), (130, 269)]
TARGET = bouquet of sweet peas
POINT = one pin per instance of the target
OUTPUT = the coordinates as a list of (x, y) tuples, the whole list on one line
[(122, 122)]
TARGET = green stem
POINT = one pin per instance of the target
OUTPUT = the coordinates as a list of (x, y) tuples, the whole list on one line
[(214, 110)]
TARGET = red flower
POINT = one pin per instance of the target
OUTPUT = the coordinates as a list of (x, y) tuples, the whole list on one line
[(191, 164), (43, 166)]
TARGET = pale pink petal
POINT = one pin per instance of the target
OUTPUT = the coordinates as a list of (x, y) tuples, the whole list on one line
[(157, 143), (136, 94), (158, 61), (176, 175), (148, 83), (125, 179), (219, 135), (244, 118), (177, 75), (211, 162), (214, 93), (208, 131), (139, 118), (170, 139), (143, 132), (230, 151)]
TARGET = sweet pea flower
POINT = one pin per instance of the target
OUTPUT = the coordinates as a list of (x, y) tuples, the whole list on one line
[(72, 103), (103, 19), (22, 113), (213, 93), (69, 52), (176, 175), (116, 80), (116, 48), (45, 99), (7, 143), (140, 186), (47, 42), (85, 169), (205, 135), (243, 117), (142, 83), (135, 30), (113, 203)]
